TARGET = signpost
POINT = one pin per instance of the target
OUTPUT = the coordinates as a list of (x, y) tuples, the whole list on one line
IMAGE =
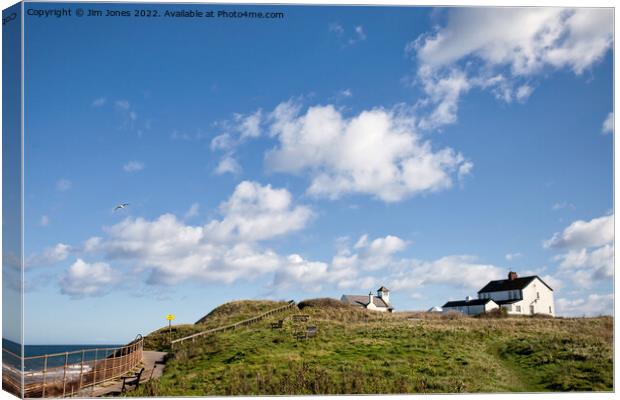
[(170, 317)]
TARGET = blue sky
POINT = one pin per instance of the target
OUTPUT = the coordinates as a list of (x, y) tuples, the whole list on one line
[(333, 151)]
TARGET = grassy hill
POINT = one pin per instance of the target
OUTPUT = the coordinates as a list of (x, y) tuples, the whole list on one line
[(226, 314), (236, 311), (358, 351)]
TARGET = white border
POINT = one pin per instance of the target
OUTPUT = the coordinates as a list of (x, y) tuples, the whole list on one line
[(506, 3)]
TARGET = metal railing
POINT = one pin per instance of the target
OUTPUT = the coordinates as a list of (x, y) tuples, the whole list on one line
[(236, 325), (74, 373)]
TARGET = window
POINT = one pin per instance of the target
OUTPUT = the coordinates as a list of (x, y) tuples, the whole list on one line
[(538, 295), (550, 310), (518, 308)]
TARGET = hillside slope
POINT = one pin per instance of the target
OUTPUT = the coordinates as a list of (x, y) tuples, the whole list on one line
[(225, 314), (356, 351), (236, 311)]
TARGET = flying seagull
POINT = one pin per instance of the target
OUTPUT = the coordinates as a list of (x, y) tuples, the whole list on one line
[(121, 206)]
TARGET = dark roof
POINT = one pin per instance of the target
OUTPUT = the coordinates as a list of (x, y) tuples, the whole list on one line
[(383, 289), (461, 303), (500, 302), (360, 300), (507, 284)]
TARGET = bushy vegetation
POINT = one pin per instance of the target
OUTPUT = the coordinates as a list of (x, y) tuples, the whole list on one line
[(324, 302), (358, 351), (495, 313)]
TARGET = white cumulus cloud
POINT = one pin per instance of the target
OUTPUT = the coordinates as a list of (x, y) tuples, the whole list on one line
[(51, 255), (524, 39), (223, 250), (228, 165), (255, 212), (588, 251), (460, 271), (84, 279), (592, 305), (193, 210), (596, 232), (500, 49), (376, 152)]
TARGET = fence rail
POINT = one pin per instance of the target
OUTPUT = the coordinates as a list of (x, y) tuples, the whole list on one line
[(74, 373), (236, 325)]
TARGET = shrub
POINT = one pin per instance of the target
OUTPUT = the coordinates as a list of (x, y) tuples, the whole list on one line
[(453, 315), (547, 316), (495, 313), (324, 302)]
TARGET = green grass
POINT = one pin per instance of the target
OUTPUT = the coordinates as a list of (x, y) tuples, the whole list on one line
[(357, 352), (226, 314), (236, 311)]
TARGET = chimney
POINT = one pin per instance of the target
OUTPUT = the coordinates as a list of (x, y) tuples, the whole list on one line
[(370, 298), (468, 299), (512, 275)]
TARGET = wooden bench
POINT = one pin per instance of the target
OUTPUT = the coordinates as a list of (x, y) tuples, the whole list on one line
[(277, 325), (132, 380), (310, 332), (301, 318)]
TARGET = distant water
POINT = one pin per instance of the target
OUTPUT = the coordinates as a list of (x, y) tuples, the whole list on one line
[(59, 349)]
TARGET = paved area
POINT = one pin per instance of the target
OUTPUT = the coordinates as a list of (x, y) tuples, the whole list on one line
[(153, 368)]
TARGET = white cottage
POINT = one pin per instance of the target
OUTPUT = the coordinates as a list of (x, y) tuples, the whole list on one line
[(527, 295), (470, 306), (380, 302)]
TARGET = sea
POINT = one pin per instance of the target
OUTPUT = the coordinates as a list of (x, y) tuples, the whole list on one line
[(57, 354)]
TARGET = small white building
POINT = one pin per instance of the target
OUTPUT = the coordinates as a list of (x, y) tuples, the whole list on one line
[(380, 302), (527, 295), (470, 306)]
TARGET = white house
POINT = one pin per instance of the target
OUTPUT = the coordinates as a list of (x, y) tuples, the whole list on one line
[(470, 306), (380, 302), (527, 295)]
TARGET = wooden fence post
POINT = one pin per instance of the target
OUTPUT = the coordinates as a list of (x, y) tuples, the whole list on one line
[(92, 388), (64, 375), (44, 375), (81, 371)]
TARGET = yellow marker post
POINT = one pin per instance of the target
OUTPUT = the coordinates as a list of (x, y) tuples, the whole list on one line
[(170, 317)]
